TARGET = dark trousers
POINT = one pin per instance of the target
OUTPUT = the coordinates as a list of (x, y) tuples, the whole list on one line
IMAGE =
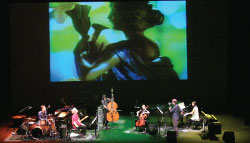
[(83, 129), (175, 125), (189, 122), (105, 121)]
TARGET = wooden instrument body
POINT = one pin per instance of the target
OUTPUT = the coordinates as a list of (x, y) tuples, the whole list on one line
[(112, 114), (141, 121)]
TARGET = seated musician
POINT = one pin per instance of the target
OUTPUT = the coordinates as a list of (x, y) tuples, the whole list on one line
[(76, 123), (42, 116), (194, 113), (142, 115)]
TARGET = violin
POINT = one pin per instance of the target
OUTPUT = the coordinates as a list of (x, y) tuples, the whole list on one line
[(112, 115), (141, 119)]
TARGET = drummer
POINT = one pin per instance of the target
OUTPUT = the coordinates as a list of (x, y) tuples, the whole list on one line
[(42, 115)]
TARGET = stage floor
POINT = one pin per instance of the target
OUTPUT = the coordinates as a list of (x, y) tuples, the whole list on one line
[(123, 131)]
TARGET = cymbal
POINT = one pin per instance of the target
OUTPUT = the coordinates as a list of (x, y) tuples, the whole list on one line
[(62, 114), (30, 119), (18, 116)]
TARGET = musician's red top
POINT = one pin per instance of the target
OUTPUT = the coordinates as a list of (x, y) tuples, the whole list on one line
[(75, 118)]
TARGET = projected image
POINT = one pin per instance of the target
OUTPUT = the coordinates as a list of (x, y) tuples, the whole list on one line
[(101, 41)]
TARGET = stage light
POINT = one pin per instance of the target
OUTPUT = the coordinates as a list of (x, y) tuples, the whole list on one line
[(171, 137), (228, 137)]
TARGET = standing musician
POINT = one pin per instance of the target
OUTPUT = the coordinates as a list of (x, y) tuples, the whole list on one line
[(77, 123), (176, 111), (142, 114), (105, 102)]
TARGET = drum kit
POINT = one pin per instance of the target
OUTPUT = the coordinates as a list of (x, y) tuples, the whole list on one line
[(40, 129), (55, 126)]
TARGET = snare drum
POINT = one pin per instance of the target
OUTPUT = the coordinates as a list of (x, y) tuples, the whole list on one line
[(43, 122)]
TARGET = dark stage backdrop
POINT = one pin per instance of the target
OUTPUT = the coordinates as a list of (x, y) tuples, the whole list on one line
[(208, 64)]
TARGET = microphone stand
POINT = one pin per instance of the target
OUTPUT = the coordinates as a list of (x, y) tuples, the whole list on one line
[(23, 109)]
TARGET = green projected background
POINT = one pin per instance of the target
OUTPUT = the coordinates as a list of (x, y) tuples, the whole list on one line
[(170, 36)]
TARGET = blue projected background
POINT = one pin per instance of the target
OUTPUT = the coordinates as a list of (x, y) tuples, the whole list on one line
[(170, 36)]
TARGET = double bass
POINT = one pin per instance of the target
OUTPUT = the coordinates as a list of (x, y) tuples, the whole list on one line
[(141, 119), (112, 115)]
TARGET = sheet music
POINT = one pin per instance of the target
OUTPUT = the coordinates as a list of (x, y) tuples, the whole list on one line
[(182, 105)]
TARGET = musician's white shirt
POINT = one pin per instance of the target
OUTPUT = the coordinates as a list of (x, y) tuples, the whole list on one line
[(195, 115)]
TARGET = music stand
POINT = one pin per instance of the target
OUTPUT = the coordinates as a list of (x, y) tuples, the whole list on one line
[(159, 123)]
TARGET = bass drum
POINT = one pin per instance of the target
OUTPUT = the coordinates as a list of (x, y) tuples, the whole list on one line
[(39, 131)]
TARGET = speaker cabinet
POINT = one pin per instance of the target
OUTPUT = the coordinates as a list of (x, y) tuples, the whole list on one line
[(214, 128), (228, 137), (171, 137)]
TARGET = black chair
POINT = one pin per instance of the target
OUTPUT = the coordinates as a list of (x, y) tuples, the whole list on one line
[(70, 129), (195, 124)]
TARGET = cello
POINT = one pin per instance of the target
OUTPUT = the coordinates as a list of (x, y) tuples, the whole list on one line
[(141, 118), (112, 115)]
